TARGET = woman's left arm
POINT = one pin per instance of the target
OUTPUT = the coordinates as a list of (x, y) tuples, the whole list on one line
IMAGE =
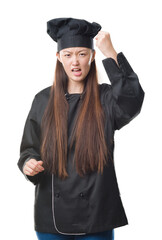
[(126, 91)]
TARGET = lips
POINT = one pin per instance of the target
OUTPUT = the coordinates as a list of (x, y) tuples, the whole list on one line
[(77, 72)]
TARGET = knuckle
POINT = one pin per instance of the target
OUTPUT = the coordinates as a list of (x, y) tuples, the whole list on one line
[(37, 164), (32, 171)]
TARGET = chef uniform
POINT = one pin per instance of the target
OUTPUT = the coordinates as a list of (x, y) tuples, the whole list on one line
[(90, 204)]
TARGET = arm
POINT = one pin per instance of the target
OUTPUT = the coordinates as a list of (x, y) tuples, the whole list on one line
[(125, 92), (30, 144)]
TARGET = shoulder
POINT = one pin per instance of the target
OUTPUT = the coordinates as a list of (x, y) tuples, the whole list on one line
[(44, 93), (41, 99), (103, 88)]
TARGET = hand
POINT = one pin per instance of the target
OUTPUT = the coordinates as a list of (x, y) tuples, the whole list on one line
[(33, 167), (103, 42)]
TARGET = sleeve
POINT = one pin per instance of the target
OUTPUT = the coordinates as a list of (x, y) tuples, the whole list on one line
[(125, 90), (30, 143)]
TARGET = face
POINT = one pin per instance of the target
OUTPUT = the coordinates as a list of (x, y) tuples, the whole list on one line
[(76, 62)]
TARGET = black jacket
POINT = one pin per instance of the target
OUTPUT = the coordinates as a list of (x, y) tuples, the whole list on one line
[(92, 203)]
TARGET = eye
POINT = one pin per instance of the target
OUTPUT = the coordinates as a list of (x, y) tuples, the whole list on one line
[(82, 54), (67, 55)]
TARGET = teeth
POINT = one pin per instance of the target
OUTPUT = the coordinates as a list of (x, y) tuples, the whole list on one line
[(75, 69)]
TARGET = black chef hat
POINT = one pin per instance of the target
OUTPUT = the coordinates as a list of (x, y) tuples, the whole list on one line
[(71, 32)]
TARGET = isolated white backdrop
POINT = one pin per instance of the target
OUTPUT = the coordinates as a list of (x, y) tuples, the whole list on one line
[(27, 56)]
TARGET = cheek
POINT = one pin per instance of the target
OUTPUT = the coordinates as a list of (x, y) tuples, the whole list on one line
[(66, 67), (87, 67)]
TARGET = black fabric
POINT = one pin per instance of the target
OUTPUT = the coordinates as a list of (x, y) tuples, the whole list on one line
[(91, 203), (72, 32)]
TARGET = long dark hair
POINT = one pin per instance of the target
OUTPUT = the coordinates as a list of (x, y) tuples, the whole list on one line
[(88, 131)]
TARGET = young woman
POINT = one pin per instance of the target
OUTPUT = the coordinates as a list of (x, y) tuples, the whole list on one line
[(68, 140)]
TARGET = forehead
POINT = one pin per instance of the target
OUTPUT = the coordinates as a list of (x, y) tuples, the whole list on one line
[(75, 49)]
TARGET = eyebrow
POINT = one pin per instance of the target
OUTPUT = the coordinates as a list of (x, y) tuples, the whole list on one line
[(64, 51)]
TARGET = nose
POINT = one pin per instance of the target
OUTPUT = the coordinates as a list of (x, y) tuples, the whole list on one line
[(75, 61)]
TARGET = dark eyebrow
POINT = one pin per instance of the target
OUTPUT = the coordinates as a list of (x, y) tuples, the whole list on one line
[(82, 50), (66, 51)]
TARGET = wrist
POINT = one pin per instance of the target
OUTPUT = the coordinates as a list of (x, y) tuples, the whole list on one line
[(113, 54)]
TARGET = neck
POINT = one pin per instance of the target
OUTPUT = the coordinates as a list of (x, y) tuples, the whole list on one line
[(75, 87)]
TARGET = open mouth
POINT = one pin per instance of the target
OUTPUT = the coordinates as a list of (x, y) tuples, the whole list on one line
[(76, 70)]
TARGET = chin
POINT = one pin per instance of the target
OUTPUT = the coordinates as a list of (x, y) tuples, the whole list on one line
[(81, 78)]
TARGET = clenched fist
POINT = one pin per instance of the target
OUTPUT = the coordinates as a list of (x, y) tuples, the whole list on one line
[(103, 42), (33, 167)]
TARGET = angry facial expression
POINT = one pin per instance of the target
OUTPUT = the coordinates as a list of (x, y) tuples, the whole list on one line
[(76, 62)]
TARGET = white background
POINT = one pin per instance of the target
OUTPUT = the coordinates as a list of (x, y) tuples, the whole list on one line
[(27, 56)]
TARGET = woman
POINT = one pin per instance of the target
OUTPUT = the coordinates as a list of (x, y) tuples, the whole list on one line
[(68, 140)]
